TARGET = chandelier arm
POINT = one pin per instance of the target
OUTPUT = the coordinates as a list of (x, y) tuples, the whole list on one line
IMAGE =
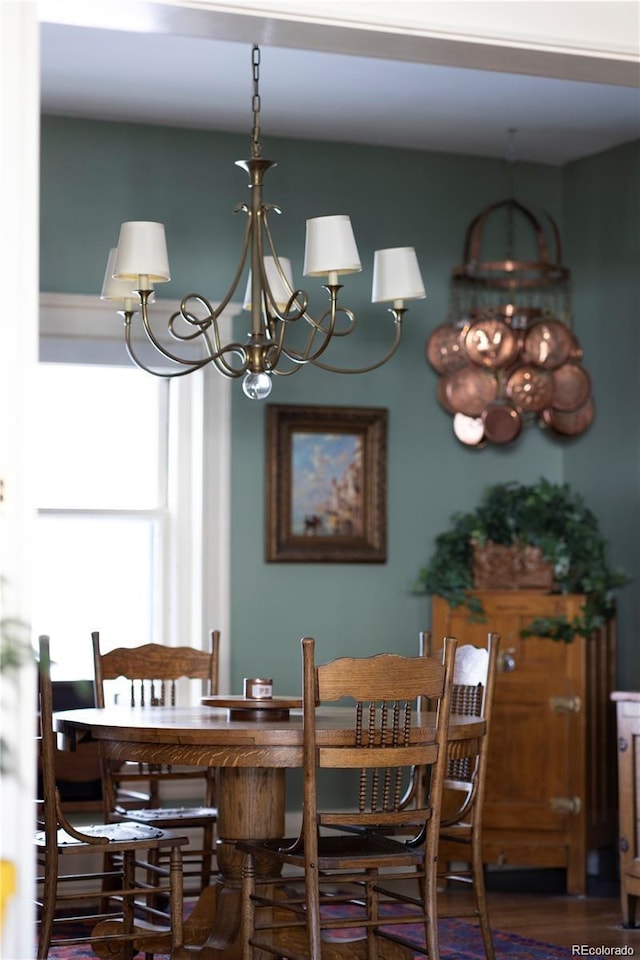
[(241, 263), (298, 298), (165, 374), (210, 321), (305, 356), (226, 369), (195, 364), (397, 322), (215, 356)]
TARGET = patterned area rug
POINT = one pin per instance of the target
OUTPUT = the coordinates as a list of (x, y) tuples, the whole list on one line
[(458, 941)]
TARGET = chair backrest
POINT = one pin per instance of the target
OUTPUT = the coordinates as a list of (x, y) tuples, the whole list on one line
[(51, 816), (153, 670), (472, 695), (385, 740)]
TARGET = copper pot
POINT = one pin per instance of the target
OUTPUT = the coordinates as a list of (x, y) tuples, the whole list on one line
[(530, 388), (441, 394), (547, 344), (502, 422), (445, 348), (490, 342), (470, 389), (570, 423), (571, 387)]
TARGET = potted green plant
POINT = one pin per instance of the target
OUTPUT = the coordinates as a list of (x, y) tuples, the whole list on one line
[(547, 518)]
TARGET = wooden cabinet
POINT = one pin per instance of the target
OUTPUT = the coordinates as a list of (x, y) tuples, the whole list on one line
[(628, 729), (551, 780)]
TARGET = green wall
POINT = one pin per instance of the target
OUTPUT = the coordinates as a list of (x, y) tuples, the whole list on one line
[(601, 202), (94, 175)]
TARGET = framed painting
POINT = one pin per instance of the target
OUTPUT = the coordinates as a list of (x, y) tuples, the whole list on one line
[(326, 484)]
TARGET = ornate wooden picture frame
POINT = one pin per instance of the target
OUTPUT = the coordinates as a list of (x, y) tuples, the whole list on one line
[(326, 484)]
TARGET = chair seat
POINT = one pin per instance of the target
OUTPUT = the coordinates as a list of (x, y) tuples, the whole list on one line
[(456, 831), (173, 816), (357, 849), (109, 832)]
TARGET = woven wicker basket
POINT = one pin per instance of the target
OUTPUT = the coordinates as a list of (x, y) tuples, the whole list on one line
[(517, 566)]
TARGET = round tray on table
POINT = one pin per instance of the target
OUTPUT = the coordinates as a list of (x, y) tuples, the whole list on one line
[(242, 708)]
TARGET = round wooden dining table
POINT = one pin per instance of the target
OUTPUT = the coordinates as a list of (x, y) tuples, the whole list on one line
[(251, 750)]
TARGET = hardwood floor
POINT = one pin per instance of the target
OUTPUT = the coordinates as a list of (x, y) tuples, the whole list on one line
[(562, 920), (523, 906)]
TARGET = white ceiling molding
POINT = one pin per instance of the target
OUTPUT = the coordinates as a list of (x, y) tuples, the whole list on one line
[(75, 315), (596, 40)]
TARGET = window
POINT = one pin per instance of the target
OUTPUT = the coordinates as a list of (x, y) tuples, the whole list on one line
[(101, 494), (132, 486)]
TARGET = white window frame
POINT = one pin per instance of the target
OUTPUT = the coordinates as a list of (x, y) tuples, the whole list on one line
[(194, 532)]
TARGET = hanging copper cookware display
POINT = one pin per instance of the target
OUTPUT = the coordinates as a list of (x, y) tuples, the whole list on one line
[(508, 356)]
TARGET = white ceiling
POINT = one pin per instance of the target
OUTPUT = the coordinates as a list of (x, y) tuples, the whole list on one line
[(203, 82)]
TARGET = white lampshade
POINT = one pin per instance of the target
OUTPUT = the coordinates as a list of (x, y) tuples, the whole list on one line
[(281, 293), (330, 247), (142, 252), (116, 289), (396, 275)]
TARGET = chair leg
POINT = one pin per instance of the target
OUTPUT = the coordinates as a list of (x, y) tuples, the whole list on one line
[(177, 920), (248, 906), (429, 902), (207, 856), (49, 896), (481, 897), (128, 908)]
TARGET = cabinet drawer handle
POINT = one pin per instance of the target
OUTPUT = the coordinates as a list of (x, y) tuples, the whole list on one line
[(565, 704), (507, 661), (565, 804)]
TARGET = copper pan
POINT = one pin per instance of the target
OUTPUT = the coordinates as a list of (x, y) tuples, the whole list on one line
[(548, 344), (570, 423), (445, 348), (571, 387), (530, 388), (441, 394), (470, 389), (502, 422), (491, 343)]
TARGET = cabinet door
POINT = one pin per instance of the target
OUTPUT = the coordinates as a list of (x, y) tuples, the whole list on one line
[(535, 777)]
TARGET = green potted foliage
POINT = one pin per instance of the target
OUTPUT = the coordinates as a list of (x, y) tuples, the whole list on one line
[(546, 516)]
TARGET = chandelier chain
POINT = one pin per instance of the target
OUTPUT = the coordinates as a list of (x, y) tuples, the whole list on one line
[(256, 146)]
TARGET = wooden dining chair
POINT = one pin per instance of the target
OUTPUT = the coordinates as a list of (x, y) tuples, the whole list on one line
[(122, 922), (134, 791), (341, 872), (460, 848)]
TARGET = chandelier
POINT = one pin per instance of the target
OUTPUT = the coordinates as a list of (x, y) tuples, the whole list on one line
[(507, 357), (276, 305)]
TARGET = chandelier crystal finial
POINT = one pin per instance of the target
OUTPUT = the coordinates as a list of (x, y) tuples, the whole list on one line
[(276, 306)]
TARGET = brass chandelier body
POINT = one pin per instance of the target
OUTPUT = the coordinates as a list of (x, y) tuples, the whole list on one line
[(508, 356), (276, 306)]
